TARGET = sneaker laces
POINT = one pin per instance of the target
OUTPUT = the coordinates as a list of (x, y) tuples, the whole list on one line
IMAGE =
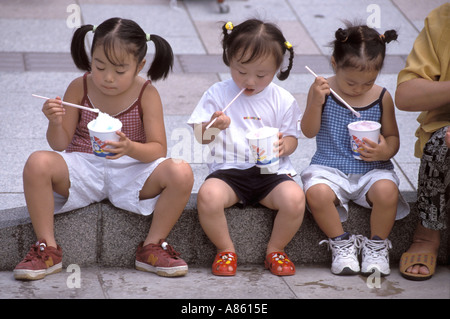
[(37, 251), (344, 247), (376, 248), (169, 250)]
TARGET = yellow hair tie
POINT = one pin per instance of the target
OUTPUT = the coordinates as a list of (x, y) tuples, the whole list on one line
[(229, 26), (288, 45)]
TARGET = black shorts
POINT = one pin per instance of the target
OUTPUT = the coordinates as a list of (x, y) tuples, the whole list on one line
[(250, 185)]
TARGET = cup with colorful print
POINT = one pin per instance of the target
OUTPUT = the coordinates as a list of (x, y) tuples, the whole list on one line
[(362, 129), (103, 129), (262, 144)]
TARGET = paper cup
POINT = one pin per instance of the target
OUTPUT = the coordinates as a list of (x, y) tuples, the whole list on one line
[(362, 129), (98, 138), (261, 143)]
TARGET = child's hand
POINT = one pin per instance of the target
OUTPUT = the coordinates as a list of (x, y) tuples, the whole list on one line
[(280, 145), (374, 151), (54, 110), (222, 122), (319, 90), (121, 147)]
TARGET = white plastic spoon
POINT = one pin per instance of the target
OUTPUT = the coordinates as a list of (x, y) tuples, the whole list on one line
[(69, 104), (212, 122)]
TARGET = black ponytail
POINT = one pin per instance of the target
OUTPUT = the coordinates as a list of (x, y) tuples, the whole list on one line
[(78, 50), (283, 75), (225, 42), (341, 35), (162, 63), (388, 36)]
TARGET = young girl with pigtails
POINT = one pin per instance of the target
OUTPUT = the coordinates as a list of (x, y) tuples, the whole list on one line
[(335, 177), (138, 177), (254, 51)]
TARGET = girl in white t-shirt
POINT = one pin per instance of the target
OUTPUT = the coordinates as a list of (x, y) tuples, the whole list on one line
[(254, 51)]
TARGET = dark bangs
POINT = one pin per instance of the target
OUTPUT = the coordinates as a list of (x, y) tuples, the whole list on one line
[(116, 50), (124, 38)]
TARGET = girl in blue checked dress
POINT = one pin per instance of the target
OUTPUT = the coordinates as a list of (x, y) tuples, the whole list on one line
[(335, 177)]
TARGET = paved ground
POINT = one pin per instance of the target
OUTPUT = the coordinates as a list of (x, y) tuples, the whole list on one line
[(35, 58), (251, 282)]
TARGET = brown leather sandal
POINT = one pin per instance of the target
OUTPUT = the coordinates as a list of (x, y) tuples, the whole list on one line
[(410, 259)]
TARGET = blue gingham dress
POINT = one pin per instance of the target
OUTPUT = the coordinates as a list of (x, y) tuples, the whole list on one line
[(333, 140)]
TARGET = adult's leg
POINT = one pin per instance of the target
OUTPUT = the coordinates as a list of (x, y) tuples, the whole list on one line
[(433, 196)]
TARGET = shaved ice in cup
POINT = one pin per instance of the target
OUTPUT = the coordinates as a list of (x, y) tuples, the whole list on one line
[(261, 142), (103, 129), (362, 129)]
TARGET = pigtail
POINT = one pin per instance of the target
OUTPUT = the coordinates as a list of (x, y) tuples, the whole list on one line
[(163, 61), (388, 36), (78, 49), (341, 35), (283, 75), (226, 36)]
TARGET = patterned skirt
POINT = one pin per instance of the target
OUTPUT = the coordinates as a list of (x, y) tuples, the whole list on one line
[(433, 195)]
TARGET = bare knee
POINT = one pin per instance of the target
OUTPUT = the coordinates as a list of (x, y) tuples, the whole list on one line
[(38, 165), (320, 194), (208, 200), (293, 203), (180, 173), (384, 192)]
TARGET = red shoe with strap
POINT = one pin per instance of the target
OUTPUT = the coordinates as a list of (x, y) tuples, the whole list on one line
[(278, 259)]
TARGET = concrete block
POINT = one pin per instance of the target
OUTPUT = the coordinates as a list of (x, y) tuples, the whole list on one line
[(104, 235)]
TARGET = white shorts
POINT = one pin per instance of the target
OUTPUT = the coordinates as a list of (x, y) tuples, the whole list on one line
[(94, 178), (351, 187)]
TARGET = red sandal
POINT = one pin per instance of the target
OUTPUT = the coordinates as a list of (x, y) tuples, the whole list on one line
[(222, 262), (275, 260)]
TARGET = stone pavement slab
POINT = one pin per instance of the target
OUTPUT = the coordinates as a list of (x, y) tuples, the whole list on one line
[(415, 11), (250, 282), (323, 18), (173, 25)]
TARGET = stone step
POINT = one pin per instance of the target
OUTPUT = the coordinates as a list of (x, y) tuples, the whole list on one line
[(104, 235)]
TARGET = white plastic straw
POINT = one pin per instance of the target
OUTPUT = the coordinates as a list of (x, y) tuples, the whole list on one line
[(226, 107), (69, 104), (337, 96)]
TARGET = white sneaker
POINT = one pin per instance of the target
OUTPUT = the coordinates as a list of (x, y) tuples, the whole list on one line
[(344, 255), (375, 256)]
